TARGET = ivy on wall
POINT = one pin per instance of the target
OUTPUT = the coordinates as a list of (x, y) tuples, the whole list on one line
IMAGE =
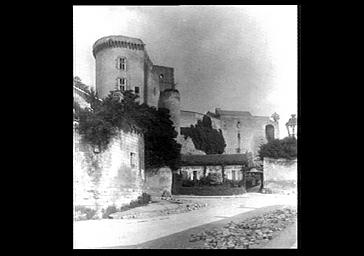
[(102, 121)]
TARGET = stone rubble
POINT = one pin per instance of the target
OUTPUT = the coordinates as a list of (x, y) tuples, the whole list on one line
[(249, 233), (182, 206)]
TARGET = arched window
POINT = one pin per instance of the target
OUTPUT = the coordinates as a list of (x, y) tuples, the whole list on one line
[(121, 63), (269, 132)]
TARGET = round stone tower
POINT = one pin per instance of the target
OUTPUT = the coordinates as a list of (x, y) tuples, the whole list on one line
[(120, 65), (170, 99)]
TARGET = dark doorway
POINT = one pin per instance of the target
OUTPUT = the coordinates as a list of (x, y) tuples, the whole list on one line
[(195, 175)]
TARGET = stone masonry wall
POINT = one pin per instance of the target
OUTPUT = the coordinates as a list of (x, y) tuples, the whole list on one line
[(280, 175), (157, 181), (113, 177)]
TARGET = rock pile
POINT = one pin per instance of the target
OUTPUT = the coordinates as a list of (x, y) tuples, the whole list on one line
[(183, 207), (249, 233)]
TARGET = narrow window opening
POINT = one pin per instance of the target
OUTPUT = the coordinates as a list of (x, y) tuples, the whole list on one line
[(121, 63)]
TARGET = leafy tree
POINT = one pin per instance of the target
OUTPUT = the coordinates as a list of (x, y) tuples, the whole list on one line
[(78, 83), (205, 138), (285, 148), (99, 123)]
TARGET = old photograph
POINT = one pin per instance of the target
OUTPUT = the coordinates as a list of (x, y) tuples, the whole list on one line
[(185, 127)]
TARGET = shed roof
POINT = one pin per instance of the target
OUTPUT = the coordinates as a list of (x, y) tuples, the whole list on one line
[(215, 159)]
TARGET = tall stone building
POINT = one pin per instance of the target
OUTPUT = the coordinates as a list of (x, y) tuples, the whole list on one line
[(122, 63), (242, 131)]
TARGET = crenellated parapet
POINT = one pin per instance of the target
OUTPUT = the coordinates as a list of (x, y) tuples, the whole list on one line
[(117, 42)]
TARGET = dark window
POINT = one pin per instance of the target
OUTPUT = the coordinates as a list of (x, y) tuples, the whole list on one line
[(132, 160), (121, 84), (194, 175), (121, 63), (269, 132), (136, 89)]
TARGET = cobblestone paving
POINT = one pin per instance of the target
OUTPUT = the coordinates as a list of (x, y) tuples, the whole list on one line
[(249, 233)]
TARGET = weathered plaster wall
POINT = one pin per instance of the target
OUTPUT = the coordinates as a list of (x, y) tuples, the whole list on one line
[(251, 130), (280, 175), (157, 181), (114, 177), (189, 118), (170, 99)]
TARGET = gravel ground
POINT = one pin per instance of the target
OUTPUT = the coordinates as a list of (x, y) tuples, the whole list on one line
[(163, 207), (250, 233)]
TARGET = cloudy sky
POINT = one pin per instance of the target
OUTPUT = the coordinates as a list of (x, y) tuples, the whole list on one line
[(229, 57)]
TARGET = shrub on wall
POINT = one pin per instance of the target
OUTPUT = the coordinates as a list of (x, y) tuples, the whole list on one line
[(101, 122), (285, 148)]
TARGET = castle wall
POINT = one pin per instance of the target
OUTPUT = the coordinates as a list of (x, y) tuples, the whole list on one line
[(280, 175), (165, 77), (170, 99), (189, 118), (114, 177), (251, 130), (152, 92), (157, 181)]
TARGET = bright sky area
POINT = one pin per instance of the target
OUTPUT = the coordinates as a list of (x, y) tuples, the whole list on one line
[(229, 57)]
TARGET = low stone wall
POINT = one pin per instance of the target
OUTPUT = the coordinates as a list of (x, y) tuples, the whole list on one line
[(280, 175), (113, 177), (157, 181)]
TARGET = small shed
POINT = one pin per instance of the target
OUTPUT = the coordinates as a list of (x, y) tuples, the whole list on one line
[(230, 166)]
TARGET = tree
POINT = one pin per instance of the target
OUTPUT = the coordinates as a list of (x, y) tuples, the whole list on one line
[(285, 148), (204, 137), (78, 83), (99, 123)]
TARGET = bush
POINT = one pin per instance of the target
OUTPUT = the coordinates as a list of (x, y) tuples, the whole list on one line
[(109, 210), (166, 193), (144, 199), (90, 213), (285, 148), (218, 190), (204, 181), (233, 183), (188, 183), (214, 178)]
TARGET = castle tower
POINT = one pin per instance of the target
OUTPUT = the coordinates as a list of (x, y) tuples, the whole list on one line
[(170, 99), (122, 63)]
